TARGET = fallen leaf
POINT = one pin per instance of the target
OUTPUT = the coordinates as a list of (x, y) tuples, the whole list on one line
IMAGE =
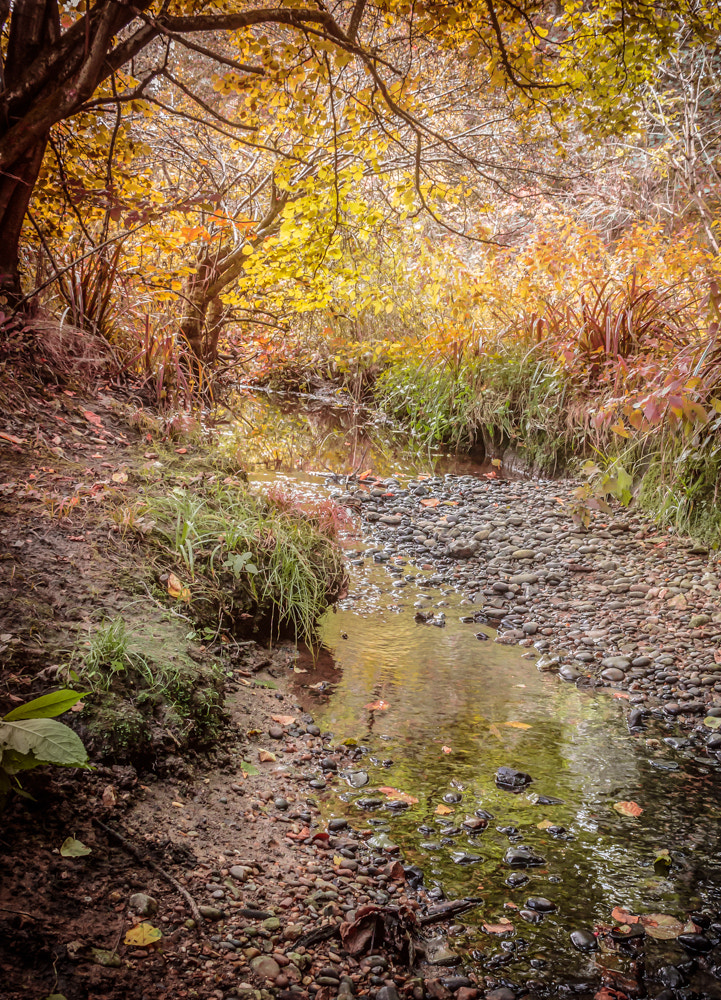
[(430, 502), (661, 926), (72, 848), (393, 793), (623, 916), (517, 725), (119, 477), (143, 935), (495, 731), (447, 749), (621, 694), (377, 706), (176, 588), (181, 451), (717, 655), (502, 927), (628, 808), (110, 797), (92, 418), (11, 438), (266, 756), (496, 462), (544, 824), (283, 720), (108, 959), (442, 810)]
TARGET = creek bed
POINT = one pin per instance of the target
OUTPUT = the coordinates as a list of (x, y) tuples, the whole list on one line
[(436, 710)]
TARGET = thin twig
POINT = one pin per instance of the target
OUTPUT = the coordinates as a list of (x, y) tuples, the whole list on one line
[(19, 913), (149, 863)]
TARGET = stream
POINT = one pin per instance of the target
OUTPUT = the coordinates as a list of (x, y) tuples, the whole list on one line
[(435, 711)]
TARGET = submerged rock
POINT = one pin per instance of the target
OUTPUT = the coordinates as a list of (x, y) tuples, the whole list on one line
[(512, 780)]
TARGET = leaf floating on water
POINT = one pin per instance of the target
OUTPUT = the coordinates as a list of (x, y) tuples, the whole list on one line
[(73, 848), (623, 916), (447, 749), (502, 927), (378, 706), (628, 808), (143, 935), (442, 810), (393, 793), (495, 731), (517, 725), (544, 824), (661, 926)]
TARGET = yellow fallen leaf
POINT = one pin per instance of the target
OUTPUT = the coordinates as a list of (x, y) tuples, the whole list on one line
[(265, 756), (398, 796), (119, 477), (143, 935), (495, 731), (442, 810), (517, 725), (544, 824), (176, 588)]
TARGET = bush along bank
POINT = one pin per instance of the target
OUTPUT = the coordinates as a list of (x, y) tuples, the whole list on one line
[(137, 571)]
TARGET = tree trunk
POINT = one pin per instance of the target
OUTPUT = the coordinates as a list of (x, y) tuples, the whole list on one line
[(202, 323), (16, 190)]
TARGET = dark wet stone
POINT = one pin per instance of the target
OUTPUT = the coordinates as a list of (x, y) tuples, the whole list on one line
[(669, 975), (523, 856), (454, 983), (628, 932), (475, 824), (387, 993), (369, 803), (516, 879), (512, 780), (484, 814), (280, 803), (584, 941), (414, 876), (452, 797), (636, 717), (613, 675), (530, 916), (317, 783), (438, 953), (466, 858), (540, 903), (357, 779), (337, 824), (695, 942), (548, 800), (312, 730), (276, 732)]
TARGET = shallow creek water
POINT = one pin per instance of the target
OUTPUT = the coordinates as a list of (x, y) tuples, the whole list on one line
[(436, 711)]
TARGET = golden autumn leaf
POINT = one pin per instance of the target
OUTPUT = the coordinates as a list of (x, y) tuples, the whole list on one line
[(266, 756), (394, 793), (517, 725), (442, 810), (143, 935)]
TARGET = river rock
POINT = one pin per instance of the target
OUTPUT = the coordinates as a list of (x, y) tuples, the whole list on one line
[(584, 941), (613, 675), (143, 905), (265, 967), (512, 780), (540, 903), (438, 953), (523, 856)]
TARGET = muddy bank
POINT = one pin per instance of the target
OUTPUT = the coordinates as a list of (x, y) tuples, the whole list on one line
[(616, 602)]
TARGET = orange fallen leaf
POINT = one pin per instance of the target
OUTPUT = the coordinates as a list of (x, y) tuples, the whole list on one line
[(430, 502), (442, 810), (621, 694), (517, 725), (11, 438), (283, 720), (181, 451), (266, 756), (366, 474), (628, 808), (377, 706), (92, 418), (447, 749), (623, 916), (176, 588), (398, 796)]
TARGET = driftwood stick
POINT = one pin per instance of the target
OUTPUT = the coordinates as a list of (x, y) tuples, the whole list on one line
[(448, 910), (149, 863)]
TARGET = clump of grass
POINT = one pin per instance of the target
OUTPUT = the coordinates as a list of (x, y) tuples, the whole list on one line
[(248, 556), (111, 655)]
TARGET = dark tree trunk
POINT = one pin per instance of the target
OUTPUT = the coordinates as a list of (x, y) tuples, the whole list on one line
[(15, 193)]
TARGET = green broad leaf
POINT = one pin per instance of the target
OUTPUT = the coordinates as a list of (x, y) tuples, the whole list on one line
[(72, 848), (266, 684), (50, 742), (248, 768), (12, 761), (56, 996), (47, 706)]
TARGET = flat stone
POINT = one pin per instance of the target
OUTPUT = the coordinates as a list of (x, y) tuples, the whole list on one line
[(143, 905), (618, 662), (510, 779), (524, 578), (540, 904), (523, 554), (438, 953), (584, 941), (265, 967), (522, 856), (613, 675)]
